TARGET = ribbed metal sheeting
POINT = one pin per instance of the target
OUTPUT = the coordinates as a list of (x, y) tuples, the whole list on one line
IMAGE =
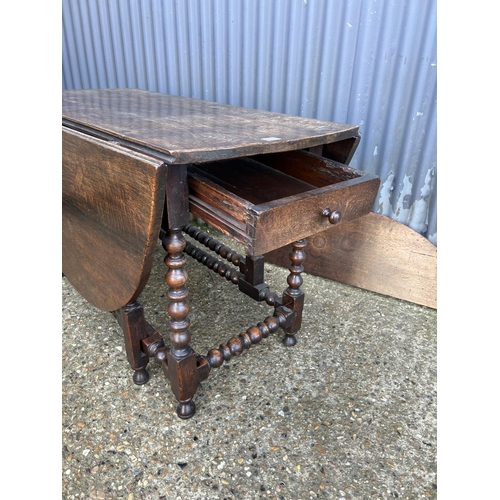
[(365, 62)]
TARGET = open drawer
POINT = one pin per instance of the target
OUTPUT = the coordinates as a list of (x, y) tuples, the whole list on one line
[(268, 201)]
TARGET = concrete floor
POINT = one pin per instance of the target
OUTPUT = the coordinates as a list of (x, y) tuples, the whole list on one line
[(347, 413)]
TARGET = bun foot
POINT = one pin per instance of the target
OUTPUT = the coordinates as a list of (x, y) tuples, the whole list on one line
[(141, 376), (289, 340), (186, 409)]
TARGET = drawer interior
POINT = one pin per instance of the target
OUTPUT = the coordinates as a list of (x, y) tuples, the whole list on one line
[(252, 180), (263, 178), (310, 168)]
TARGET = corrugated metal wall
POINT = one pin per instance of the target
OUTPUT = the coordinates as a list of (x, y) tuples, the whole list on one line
[(366, 62)]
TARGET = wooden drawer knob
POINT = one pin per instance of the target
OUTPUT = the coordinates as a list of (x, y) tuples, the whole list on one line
[(333, 216)]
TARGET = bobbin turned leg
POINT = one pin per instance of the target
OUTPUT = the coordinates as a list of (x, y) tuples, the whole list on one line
[(131, 319), (181, 358), (293, 296)]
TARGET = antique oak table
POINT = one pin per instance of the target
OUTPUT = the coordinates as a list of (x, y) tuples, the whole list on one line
[(136, 163)]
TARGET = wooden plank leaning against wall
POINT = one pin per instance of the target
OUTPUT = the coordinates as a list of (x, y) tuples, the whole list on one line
[(375, 253)]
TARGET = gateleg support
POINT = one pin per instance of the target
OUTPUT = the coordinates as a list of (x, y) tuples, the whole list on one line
[(135, 329)]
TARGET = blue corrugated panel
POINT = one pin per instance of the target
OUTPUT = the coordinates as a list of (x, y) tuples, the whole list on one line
[(366, 62)]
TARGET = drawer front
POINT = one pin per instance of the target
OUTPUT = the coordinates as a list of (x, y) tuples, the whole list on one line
[(277, 224)]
